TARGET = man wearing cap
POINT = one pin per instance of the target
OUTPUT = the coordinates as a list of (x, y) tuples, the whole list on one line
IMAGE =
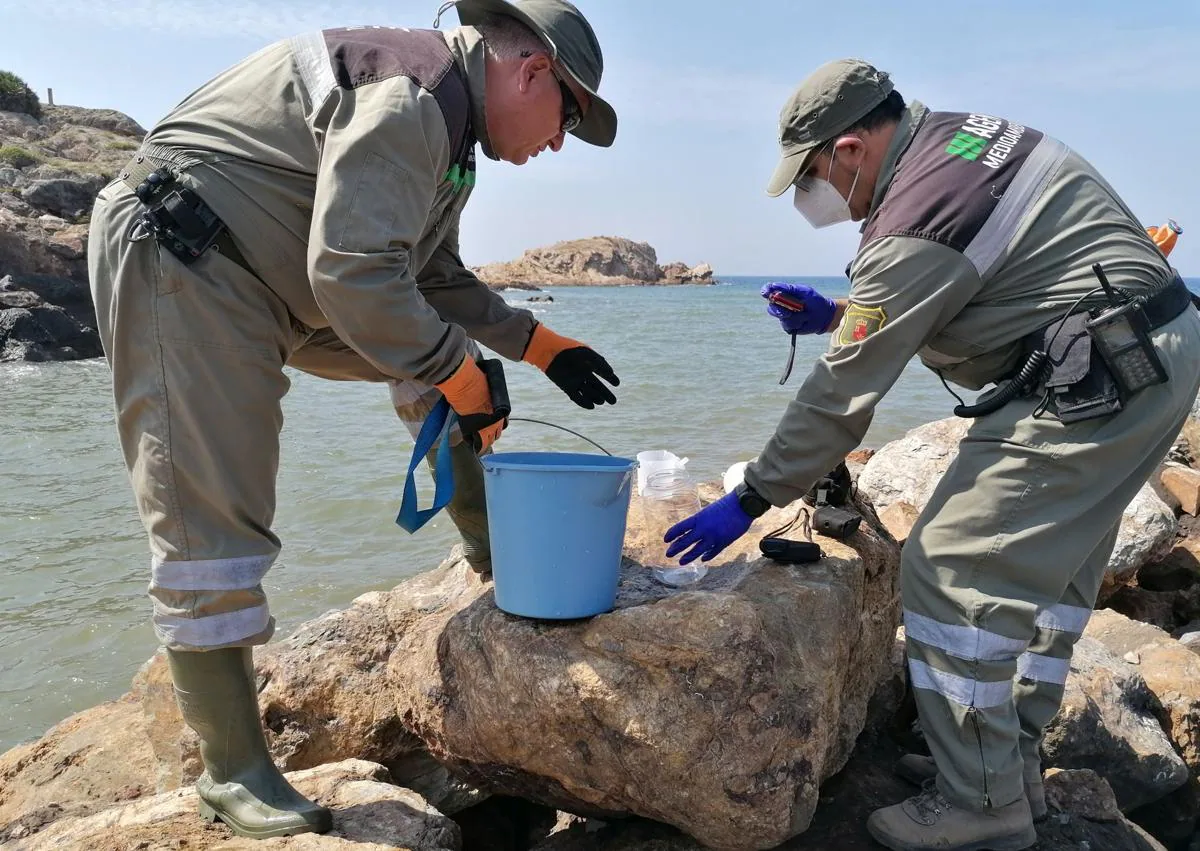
[(978, 240), (302, 208)]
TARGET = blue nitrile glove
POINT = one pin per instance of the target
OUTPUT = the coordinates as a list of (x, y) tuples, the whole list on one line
[(711, 529), (818, 311)]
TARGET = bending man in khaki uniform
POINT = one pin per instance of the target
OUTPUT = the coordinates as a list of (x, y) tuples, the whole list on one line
[(978, 242), (302, 209)]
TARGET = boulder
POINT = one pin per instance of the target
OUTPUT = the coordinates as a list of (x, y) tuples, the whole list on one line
[(1183, 483), (899, 518), (1109, 724), (1191, 430), (109, 120), (70, 197), (718, 708), (1082, 817), (682, 273), (87, 763), (908, 469), (370, 814), (1171, 672), (51, 170), (1082, 792)]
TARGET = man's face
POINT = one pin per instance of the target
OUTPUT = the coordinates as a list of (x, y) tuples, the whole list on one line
[(528, 103), (839, 163)]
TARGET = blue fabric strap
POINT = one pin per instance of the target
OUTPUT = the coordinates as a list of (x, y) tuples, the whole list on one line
[(437, 425)]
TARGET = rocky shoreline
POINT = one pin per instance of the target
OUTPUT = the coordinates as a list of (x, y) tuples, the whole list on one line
[(51, 169), (743, 714)]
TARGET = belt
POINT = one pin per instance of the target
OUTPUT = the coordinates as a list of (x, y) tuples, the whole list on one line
[(1167, 303), (142, 166)]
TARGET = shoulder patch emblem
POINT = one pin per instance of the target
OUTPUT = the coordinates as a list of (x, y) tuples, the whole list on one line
[(860, 322)]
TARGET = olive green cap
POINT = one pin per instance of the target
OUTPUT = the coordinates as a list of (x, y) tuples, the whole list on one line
[(572, 45), (830, 99)]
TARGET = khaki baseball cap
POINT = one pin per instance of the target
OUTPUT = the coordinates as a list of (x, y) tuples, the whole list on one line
[(573, 47), (829, 100)]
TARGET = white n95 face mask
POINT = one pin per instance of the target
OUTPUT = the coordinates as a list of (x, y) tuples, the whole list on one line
[(819, 201)]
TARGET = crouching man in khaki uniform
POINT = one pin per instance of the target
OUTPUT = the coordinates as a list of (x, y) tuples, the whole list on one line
[(302, 209), (978, 243)]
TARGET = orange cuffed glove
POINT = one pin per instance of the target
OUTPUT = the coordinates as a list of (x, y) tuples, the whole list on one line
[(574, 367), (468, 394)]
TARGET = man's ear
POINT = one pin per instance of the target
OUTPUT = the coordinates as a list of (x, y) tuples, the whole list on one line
[(851, 151), (537, 64)]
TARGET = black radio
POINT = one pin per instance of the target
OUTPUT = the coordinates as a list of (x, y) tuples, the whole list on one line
[(1120, 334)]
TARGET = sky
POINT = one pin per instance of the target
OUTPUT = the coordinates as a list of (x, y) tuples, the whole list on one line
[(698, 86)]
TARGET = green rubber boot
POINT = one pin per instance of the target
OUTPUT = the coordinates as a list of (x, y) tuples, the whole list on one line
[(468, 507), (240, 785)]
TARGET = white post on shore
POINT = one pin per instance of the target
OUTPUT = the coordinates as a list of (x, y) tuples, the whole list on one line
[(50, 97)]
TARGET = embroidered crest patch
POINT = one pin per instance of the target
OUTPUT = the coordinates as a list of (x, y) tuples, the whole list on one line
[(860, 322)]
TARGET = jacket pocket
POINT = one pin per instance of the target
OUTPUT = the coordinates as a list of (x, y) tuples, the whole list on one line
[(371, 218)]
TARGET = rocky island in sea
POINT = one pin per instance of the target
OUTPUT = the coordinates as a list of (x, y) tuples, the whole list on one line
[(593, 261)]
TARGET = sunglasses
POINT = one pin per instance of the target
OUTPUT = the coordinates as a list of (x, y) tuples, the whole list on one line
[(571, 113)]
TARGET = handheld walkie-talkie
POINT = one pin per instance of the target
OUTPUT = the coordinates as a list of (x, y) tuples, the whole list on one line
[(472, 424), (1120, 334)]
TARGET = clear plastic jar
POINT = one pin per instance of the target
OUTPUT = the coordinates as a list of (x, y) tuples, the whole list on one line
[(670, 496)]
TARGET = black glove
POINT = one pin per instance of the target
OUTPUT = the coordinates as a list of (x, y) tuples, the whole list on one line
[(575, 371)]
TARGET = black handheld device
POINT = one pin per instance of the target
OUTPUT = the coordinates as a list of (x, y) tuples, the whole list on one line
[(833, 522), (790, 552), (1120, 334), (472, 424)]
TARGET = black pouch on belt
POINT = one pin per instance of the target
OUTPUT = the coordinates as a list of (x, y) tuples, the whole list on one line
[(1079, 385), (176, 216)]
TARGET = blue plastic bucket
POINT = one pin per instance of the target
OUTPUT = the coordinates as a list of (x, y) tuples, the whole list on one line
[(557, 524)]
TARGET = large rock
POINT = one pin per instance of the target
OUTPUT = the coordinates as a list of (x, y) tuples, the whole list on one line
[(1108, 723), (1191, 430), (908, 470), (50, 174), (1171, 671), (370, 814), (89, 762), (108, 120), (606, 260), (682, 273), (718, 709), (1083, 817)]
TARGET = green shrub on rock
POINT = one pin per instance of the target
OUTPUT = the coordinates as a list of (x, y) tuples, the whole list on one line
[(16, 96), (17, 157)]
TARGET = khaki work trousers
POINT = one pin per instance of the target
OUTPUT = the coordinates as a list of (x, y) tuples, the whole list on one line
[(1001, 572), (197, 355)]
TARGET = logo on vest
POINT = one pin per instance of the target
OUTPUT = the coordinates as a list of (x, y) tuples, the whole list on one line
[(988, 137), (860, 323)]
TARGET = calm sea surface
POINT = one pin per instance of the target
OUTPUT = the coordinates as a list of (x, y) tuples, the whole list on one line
[(699, 370)]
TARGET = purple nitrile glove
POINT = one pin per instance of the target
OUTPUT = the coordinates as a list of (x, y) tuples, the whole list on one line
[(709, 530), (818, 311)]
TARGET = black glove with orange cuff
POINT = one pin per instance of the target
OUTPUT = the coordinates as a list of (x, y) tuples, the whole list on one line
[(574, 367)]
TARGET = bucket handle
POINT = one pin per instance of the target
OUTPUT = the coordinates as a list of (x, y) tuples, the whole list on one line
[(560, 428)]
